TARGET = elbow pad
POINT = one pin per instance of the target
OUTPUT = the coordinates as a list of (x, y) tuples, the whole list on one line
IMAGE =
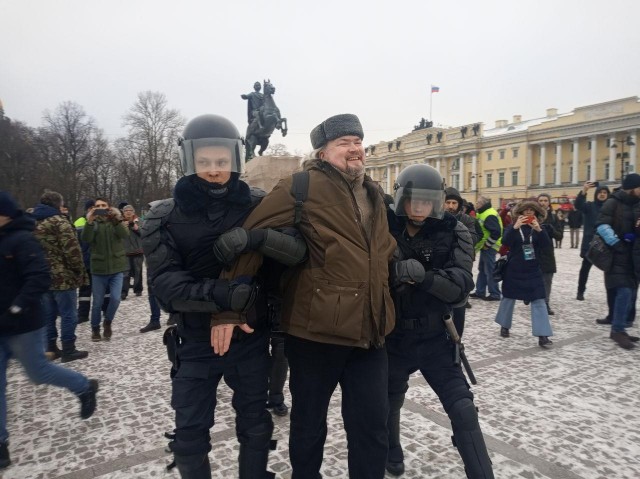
[(284, 248)]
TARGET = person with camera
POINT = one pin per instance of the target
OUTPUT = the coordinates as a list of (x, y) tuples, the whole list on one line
[(522, 276), (590, 211), (104, 232), (430, 276), (133, 251)]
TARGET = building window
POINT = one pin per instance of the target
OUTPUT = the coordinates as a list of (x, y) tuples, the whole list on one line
[(554, 175), (571, 172), (489, 155), (515, 152), (502, 154), (514, 178), (606, 170), (588, 172), (589, 145), (489, 175), (455, 181), (572, 145), (608, 142), (501, 178)]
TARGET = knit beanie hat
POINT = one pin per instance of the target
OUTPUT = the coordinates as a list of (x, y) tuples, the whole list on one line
[(334, 127), (8, 206), (631, 181), (89, 204)]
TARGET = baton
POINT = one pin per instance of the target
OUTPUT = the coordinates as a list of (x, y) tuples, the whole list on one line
[(458, 351)]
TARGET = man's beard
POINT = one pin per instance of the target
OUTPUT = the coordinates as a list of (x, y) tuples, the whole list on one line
[(355, 171)]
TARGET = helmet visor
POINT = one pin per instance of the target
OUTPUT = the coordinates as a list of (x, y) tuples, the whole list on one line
[(419, 204), (211, 154)]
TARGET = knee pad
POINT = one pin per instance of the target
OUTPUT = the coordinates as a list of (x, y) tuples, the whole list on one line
[(464, 415), (258, 437), (191, 442)]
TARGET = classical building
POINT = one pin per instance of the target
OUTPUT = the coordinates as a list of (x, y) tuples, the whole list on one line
[(521, 158)]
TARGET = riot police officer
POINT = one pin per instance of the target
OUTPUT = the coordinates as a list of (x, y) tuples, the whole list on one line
[(431, 275), (178, 239)]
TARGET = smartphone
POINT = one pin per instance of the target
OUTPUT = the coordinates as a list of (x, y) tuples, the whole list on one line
[(100, 212), (595, 184), (528, 219)]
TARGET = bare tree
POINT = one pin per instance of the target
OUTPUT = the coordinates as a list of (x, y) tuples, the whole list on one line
[(149, 153), (277, 149), (69, 142)]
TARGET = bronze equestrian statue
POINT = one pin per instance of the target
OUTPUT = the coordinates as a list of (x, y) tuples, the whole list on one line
[(263, 121)]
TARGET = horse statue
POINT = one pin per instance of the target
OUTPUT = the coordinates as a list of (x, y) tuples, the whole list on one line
[(265, 120)]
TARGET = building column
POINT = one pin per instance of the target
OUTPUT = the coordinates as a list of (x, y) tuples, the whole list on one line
[(594, 145), (558, 163), (574, 177), (633, 152), (439, 164), (612, 159), (396, 173), (543, 165), (529, 168), (461, 173), (474, 172), (388, 188)]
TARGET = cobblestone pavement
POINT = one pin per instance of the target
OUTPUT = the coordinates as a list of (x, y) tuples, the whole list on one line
[(570, 411)]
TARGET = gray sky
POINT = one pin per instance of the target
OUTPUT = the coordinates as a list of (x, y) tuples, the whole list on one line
[(491, 59)]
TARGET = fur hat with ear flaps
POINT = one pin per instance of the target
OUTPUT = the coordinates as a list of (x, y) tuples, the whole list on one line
[(517, 210)]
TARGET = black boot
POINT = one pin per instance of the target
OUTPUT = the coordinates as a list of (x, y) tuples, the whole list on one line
[(395, 456), (152, 326), (5, 460), (255, 445), (88, 400), (70, 353), (468, 439), (107, 330), (52, 349), (194, 467)]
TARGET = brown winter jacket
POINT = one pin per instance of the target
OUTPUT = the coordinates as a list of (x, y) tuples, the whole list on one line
[(340, 295)]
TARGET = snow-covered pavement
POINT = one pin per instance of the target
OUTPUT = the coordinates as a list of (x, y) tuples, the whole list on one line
[(570, 411)]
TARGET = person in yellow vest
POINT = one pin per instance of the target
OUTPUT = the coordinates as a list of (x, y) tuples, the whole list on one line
[(488, 247)]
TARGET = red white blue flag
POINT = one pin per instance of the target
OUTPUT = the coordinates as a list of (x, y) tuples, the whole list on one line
[(435, 89)]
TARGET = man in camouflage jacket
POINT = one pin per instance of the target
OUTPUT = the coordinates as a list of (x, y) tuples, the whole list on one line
[(64, 255)]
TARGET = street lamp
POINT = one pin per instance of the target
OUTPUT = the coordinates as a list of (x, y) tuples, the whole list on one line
[(623, 155)]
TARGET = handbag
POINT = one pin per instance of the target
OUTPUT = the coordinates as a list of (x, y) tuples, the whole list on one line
[(600, 253), (499, 267)]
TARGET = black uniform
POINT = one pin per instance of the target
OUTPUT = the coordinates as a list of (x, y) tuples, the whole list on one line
[(178, 242), (420, 342)]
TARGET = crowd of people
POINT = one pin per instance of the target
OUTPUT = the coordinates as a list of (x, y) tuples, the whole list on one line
[(325, 279)]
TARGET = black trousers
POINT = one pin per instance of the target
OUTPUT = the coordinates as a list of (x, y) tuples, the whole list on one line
[(279, 369), (135, 271), (315, 371), (583, 276), (245, 369)]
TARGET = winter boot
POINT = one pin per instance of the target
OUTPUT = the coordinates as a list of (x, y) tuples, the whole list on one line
[(194, 467), (504, 332), (152, 326), (623, 340), (95, 334), (107, 331), (5, 460), (88, 400), (544, 341), (52, 350), (395, 456), (70, 353)]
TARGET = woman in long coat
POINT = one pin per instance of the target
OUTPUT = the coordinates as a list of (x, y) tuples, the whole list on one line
[(522, 278)]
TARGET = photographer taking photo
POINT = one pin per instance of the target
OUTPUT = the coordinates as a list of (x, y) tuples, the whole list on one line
[(104, 232)]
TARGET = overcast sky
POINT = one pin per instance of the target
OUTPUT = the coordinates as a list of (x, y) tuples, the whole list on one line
[(491, 59)]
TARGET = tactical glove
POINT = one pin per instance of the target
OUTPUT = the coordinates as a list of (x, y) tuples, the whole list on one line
[(237, 241), (235, 296), (408, 271)]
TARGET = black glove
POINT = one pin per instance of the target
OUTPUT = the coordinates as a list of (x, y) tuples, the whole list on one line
[(237, 241), (408, 271), (235, 296)]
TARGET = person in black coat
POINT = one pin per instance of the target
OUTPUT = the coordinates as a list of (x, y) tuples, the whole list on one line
[(574, 218), (547, 256), (590, 211), (523, 277), (431, 274), (616, 225), (25, 278)]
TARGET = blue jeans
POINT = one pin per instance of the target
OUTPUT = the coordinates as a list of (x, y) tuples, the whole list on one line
[(540, 325), (100, 283), (62, 303), (155, 309), (621, 307), (485, 274), (28, 350)]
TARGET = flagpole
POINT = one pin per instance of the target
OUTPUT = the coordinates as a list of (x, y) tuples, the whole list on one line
[(431, 104)]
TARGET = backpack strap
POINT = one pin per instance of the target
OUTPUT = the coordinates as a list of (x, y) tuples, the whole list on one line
[(300, 191)]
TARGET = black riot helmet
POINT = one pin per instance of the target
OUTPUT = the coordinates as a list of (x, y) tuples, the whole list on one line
[(419, 189), (208, 133)]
